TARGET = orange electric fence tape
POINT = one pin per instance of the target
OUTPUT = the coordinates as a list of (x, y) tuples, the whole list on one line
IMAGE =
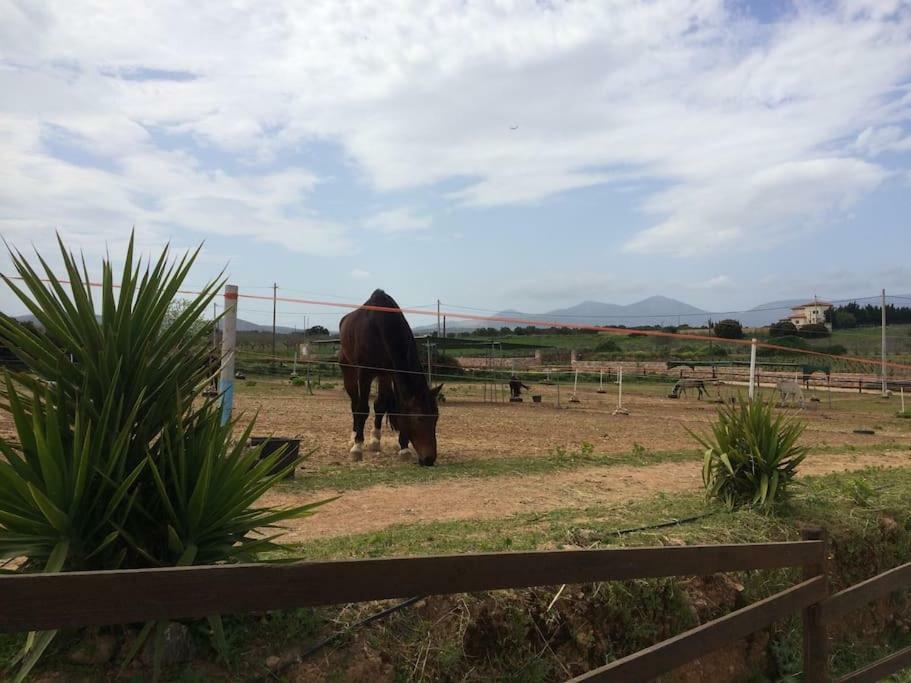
[(545, 323), (578, 326)]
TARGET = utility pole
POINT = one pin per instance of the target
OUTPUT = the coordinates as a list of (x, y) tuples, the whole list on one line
[(883, 369), (438, 317), (752, 386), (274, 306)]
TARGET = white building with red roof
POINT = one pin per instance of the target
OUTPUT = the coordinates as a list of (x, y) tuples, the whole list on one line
[(811, 313)]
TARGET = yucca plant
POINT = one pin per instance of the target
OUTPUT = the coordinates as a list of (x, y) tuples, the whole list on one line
[(118, 461), (751, 455)]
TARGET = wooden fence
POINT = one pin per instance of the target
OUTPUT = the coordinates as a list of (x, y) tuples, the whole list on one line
[(69, 600)]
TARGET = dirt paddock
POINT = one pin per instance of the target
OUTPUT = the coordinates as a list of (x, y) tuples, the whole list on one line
[(470, 429)]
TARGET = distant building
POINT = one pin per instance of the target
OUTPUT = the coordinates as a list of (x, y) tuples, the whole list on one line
[(812, 313)]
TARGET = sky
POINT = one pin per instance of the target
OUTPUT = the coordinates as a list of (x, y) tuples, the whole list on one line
[(491, 154)]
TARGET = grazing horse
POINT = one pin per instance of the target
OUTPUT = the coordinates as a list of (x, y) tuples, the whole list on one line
[(683, 384), (380, 344), (790, 391)]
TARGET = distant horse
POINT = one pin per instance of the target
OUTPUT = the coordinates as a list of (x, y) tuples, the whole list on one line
[(683, 384), (790, 391), (380, 344)]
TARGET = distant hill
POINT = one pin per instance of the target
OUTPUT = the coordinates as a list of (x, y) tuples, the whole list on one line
[(247, 326), (242, 325), (655, 310)]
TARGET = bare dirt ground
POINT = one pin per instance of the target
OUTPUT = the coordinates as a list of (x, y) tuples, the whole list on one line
[(473, 430), (470, 429), (378, 507)]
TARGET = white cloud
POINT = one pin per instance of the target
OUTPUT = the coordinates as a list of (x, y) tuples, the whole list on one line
[(716, 282), (396, 221), (359, 274), (517, 100), (874, 141), (755, 211), (572, 287)]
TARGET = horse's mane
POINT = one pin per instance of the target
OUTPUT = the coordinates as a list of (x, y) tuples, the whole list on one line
[(400, 344)]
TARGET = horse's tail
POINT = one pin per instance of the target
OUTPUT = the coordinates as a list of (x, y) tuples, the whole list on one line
[(392, 417), (387, 402)]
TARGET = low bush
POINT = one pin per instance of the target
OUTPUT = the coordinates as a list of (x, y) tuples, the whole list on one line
[(112, 434), (751, 455)]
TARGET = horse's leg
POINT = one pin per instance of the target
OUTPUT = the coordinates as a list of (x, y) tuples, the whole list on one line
[(381, 406), (349, 377), (405, 452), (361, 413)]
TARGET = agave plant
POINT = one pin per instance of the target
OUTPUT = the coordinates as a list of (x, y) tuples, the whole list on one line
[(118, 461), (751, 455)]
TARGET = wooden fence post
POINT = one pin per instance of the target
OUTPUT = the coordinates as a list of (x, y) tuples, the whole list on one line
[(228, 351), (815, 639)]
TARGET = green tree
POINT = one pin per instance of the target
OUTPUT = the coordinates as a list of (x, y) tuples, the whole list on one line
[(783, 328), (844, 320), (729, 329), (814, 331)]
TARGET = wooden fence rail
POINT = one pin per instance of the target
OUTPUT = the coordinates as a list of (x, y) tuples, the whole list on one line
[(64, 600), (33, 602), (856, 597), (693, 644)]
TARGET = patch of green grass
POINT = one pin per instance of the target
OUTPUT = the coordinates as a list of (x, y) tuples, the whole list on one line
[(836, 501), (345, 478), (848, 656), (10, 645)]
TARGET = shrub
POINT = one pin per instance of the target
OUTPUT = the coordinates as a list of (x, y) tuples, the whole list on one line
[(814, 331), (607, 346), (112, 433), (783, 328), (751, 455), (834, 349), (729, 329)]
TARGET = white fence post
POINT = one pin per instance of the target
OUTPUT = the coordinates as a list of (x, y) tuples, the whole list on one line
[(752, 369), (228, 348)]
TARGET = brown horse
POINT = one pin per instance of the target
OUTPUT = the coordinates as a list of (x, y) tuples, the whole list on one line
[(380, 344)]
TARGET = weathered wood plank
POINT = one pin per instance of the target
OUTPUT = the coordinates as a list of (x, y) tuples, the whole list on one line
[(881, 668), (815, 638), (866, 592), (689, 646), (50, 601)]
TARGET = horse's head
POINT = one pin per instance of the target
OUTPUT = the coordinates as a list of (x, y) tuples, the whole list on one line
[(418, 421)]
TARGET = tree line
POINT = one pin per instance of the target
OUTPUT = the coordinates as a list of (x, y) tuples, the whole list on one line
[(852, 315)]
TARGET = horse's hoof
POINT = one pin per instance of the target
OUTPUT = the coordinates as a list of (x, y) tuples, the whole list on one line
[(374, 445), (357, 452), (406, 453)]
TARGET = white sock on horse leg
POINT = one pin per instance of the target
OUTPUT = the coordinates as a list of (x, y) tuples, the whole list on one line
[(374, 444)]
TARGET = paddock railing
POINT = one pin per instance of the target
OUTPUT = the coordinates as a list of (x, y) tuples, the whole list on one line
[(857, 596), (35, 602)]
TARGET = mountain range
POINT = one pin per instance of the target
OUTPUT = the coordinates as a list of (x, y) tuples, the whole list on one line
[(655, 310)]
